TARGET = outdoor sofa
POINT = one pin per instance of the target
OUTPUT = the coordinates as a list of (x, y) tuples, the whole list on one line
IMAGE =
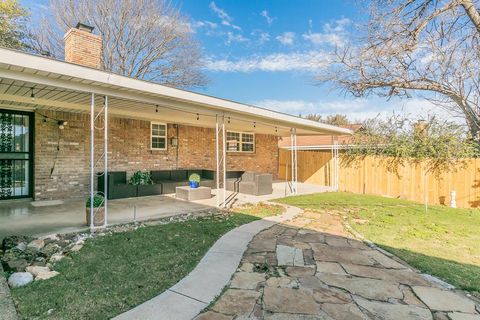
[(254, 183), (165, 182)]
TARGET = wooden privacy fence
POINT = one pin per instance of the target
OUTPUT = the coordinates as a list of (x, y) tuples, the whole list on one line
[(371, 175)]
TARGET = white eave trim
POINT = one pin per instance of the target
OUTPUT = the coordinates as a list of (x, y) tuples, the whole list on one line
[(99, 77)]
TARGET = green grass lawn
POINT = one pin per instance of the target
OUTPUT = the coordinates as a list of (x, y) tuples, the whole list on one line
[(114, 273), (444, 242)]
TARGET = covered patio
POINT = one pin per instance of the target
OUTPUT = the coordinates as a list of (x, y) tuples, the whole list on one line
[(24, 217), (83, 123)]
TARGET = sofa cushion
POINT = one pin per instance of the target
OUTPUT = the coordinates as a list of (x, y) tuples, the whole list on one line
[(160, 175), (119, 177), (178, 175), (208, 174), (248, 176)]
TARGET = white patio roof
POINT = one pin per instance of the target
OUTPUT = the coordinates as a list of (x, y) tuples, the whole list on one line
[(62, 86)]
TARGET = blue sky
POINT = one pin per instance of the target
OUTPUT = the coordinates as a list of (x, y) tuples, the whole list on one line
[(264, 53)]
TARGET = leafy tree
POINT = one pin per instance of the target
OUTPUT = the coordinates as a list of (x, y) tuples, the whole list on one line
[(428, 47), (13, 19), (336, 119), (440, 144), (144, 39)]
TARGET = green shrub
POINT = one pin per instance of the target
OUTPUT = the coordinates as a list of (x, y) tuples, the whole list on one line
[(98, 201), (141, 178), (195, 177)]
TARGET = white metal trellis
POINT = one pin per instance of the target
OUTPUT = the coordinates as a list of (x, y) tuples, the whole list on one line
[(221, 161), (294, 161), (95, 118)]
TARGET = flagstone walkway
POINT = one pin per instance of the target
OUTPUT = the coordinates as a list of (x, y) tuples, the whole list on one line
[(310, 268)]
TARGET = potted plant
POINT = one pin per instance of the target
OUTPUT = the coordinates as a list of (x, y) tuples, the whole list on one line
[(98, 210), (194, 180), (141, 178)]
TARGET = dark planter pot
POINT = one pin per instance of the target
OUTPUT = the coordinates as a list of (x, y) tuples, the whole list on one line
[(193, 184)]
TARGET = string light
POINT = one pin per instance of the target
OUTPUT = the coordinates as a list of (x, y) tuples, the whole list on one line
[(32, 95), (254, 124), (228, 120), (198, 116), (156, 108)]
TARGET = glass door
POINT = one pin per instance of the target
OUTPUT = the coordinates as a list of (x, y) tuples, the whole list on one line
[(16, 154)]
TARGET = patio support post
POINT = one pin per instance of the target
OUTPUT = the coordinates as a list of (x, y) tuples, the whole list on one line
[(296, 161), (105, 169), (92, 158), (217, 157), (224, 150), (292, 162)]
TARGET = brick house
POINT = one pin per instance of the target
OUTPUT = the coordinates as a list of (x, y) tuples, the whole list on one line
[(47, 108)]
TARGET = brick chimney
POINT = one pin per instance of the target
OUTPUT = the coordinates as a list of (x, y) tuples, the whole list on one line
[(83, 47)]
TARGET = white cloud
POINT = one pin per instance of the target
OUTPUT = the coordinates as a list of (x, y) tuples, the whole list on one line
[(264, 37), (269, 19), (305, 61), (286, 38), (231, 37), (333, 34), (356, 109), (226, 19)]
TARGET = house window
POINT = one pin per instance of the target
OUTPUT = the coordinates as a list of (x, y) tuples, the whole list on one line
[(158, 136), (240, 141)]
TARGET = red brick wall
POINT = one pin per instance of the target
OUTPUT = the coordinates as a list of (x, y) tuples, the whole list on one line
[(84, 48), (129, 150)]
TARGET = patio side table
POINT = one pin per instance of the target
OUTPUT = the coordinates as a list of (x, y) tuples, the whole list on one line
[(191, 194)]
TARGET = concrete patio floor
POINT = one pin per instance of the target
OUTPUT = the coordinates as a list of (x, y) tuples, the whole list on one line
[(41, 218), (21, 217)]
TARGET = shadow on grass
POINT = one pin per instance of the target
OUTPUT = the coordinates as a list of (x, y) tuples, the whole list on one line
[(461, 275)]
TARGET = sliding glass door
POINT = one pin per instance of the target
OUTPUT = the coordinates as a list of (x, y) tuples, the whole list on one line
[(16, 154)]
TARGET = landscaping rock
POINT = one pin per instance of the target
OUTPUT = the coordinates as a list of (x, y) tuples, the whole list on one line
[(77, 247), (46, 275), (394, 311), (21, 246), (19, 279), (41, 273), (287, 300), (56, 257), (36, 245), (17, 265), (283, 282), (385, 261), (51, 248), (36, 270), (12, 241), (443, 300)]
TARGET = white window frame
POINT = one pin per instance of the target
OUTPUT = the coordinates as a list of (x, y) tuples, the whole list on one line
[(241, 142), (151, 135)]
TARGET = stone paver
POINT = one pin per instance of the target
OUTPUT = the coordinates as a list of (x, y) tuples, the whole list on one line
[(444, 300), (310, 268), (286, 300)]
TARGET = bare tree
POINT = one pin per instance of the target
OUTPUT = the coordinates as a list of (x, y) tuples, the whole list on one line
[(424, 46), (145, 39)]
